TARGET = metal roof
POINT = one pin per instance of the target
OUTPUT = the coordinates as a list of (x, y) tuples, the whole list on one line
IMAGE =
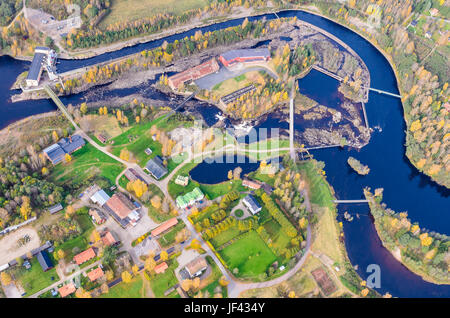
[(55, 208), (100, 197), (156, 168), (248, 53), (44, 260), (36, 66), (252, 204)]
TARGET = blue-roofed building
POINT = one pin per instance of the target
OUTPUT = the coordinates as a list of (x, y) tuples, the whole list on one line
[(156, 167), (44, 260), (251, 203), (56, 152), (244, 55)]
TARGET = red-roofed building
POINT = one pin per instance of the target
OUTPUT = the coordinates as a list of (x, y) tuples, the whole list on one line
[(193, 73), (108, 239), (251, 184), (95, 274), (161, 268), (66, 290), (165, 226), (122, 209), (84, 256)]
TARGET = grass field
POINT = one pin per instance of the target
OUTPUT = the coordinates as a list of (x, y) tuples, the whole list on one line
[(230, 85), (321, 193), (35, 279), (225, 236), (249, 254), (130, 10), (86, 162), (162, 282), (127, 290)]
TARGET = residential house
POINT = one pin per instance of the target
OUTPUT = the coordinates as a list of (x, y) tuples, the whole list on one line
[(84, 256), (95, 274), (161, 268), (182, 180), (251, 203), (122, 209), (66, 290), (156, 167), (164, 227), (108, 239), (196, 267), (251, 184), (97, 216), (189, 198)]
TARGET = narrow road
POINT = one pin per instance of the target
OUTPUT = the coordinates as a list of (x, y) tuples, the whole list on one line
[(62, 280)]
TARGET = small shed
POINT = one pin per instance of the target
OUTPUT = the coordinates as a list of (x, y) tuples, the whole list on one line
[(44, 260)]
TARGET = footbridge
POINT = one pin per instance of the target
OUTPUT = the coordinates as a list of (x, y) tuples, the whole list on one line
[(340, 79), (350, 201), (60, 104), (184, 101)]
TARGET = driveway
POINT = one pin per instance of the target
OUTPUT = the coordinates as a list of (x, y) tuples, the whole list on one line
[(11, 291)]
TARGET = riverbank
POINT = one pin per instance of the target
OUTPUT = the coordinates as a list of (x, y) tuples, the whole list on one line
[(391, 225)]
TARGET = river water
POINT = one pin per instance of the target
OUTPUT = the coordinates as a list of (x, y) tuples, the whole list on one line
[(405, 189)]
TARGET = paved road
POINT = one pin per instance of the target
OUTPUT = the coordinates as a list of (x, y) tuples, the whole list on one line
[(62, 280), (235, 287)]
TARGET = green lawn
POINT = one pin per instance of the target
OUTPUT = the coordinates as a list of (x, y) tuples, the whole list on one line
[(129, 10), (134, 289), (35, 279), (213, 279), (225, 236), (169, 238), (321, 193), (162, 282), (86, 162), (249, 254)]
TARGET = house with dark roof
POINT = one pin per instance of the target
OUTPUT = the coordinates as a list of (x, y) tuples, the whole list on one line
[(56, 152), (55, 208), (44, 260), (233, 57), (156, 167), (251, 203), (122, 209)]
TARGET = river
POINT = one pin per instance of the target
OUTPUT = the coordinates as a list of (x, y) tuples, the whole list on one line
[(405, 189)]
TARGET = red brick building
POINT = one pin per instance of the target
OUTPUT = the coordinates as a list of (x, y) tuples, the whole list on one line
[(193, 74), (245, 55)]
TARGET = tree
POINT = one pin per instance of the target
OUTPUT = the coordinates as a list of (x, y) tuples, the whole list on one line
[(5, 278), (125, 154), (95, 236), (164, 256), (83, 108), (55, 136), (149, 264), (104, 288), (25, 209), (67, 157), (126, 277), (135, 269), (44, 171), (109, 254), (230, 175), (109, 275), (60, 254)]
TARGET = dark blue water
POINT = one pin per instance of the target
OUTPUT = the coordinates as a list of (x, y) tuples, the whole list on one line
[(327, 95), (220, 167), (405, 188)]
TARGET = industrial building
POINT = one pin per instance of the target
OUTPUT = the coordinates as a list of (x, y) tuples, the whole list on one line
[(44, 59), (193, 73), (233, 57)]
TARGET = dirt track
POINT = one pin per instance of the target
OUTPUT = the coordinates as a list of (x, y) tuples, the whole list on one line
[(9, 249)]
